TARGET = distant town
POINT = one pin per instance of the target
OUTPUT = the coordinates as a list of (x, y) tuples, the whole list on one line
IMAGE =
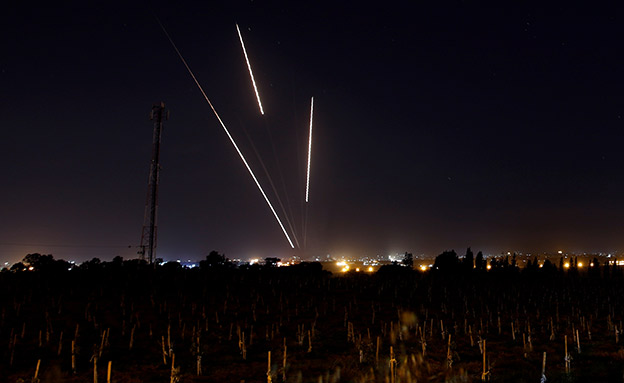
[(370, 264)]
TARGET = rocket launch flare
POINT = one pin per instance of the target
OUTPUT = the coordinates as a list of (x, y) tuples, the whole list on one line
[(227, 132), (253, 81), (309, 151)]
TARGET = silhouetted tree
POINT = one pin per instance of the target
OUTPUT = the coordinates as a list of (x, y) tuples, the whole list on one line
[(494, 263), (306, 268), (171, 266), (394, 270), (468, 261), (594, 268), (93, 264), (133, 265), (60, 265), (38, 261), (214, 259), (447, 261), (532, 265), (46, 263), (480, 263), (19, 266), (271, 261), (408, 260), (548, 266)]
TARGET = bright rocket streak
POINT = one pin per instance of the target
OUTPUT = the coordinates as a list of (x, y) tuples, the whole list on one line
[(309, 149), (253, 82), (228, 134)]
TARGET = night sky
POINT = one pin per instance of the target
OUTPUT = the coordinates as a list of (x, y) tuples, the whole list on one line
[(436, 127)]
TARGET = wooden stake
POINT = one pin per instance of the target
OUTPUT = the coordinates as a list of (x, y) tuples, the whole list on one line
[(567, 356), (131, 338), (544, 367), (102, 344), (524, 342), (172, 377), (449, 355), (392, 365), (73, 356), (95, 378), (269, 369), (108, 374), (164, 351), (377, 351), (169, 338), (284, 363), (60, 346), (485, 375), (37, 370)]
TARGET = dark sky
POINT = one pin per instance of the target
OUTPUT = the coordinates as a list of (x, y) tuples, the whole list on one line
[(436, 127)]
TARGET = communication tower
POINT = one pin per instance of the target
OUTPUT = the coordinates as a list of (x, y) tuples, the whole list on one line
[(150, 226)]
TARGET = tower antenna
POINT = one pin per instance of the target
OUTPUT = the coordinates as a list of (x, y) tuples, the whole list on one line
[(150, 226)]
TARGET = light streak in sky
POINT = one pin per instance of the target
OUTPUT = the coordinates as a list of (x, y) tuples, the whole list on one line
[(309, 150), (253, 82), (227, 132)]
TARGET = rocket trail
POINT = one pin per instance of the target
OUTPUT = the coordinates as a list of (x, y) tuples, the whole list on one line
[(226, 132), (309, 150), (253, 82), (279, 200)]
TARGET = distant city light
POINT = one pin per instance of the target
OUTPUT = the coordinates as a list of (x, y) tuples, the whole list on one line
[(566, 265), (580, 264), (370, 269)]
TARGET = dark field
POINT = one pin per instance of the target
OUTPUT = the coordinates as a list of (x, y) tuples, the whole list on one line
[(396, 325)]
